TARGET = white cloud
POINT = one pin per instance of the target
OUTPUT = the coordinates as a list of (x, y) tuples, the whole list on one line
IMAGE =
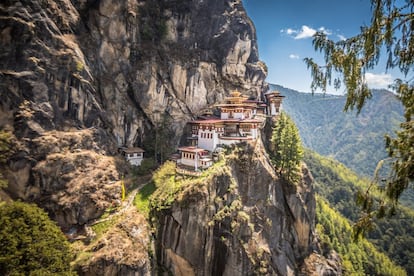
[(341, 37), (305, 32), (325, 31), (293, 56), (290, 31), (378, 80)]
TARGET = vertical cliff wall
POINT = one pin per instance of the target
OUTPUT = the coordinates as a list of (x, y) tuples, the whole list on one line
[(240, 220), (79, 78)]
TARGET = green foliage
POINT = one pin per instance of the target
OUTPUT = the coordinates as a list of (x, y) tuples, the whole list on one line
[(103, 226), (30, 243), (5, 138), (401, 148), (358, 258), (340, 186), (391, 26), (286, 148), (141, 200), (167, 187), (171, 187), (159, 142), (147, 166), (154, 27), (391, 29), (355, 140), (401, 153)]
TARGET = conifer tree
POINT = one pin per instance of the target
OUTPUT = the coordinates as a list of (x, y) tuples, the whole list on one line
[(346, 62), (286, 148)]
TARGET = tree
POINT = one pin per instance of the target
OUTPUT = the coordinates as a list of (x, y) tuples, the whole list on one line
[(30, 243), (5, 138), (286, 148), (160, 141), (346, 62)]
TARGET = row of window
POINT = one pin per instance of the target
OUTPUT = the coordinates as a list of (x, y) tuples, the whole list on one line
[(207, 135), (134, 155), (188, 155)]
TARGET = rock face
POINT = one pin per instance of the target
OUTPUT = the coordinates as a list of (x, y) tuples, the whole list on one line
[(243, 219), (123, 250), (317, 265), (80, 78), (120, 68)]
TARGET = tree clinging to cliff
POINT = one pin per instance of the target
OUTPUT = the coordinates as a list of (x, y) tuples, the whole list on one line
[(286, 148)]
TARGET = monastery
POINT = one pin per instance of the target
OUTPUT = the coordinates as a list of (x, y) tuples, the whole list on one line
[(240, 120)]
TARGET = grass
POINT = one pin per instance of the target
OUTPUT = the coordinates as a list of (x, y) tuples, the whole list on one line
[(166, 186), (141, 200), (102, 227)]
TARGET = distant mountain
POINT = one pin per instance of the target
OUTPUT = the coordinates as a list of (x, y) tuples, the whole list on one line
[(337, 185), (355, 140)]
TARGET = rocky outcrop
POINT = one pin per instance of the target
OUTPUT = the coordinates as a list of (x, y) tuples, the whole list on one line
[(243, 219), (123, 250), (119, 67), (68, 174), (317, 265)]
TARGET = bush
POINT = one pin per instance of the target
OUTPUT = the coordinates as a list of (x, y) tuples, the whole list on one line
[(30, 243), (147, 166)]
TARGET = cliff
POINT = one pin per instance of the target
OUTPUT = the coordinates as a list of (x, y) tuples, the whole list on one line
[(80, 78), (240, 217), (121, 250)]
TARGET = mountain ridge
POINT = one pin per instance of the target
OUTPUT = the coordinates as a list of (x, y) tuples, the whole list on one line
[(357, 140)]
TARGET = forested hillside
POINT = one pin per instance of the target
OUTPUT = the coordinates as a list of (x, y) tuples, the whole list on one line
[(355, 140), (337, 185), (358, 258)]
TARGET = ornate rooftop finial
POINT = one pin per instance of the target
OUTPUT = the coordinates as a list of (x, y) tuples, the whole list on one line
[(235, 93)]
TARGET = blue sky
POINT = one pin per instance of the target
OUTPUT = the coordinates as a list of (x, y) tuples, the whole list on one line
[(284, 33)]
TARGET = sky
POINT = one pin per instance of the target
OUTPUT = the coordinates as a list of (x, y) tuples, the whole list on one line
[(284, 32)]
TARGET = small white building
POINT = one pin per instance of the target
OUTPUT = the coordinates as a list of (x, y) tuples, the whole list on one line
[(196, 158), (133, 155), (275, 102)]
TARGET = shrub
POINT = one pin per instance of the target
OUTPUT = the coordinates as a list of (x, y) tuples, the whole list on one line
[(30, 243), (147, 165)]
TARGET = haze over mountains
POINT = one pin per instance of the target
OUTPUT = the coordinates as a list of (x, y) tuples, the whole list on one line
[(356, 140)]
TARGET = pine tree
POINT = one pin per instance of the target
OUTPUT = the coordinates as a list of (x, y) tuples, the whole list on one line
[(346, 62), (286, 148)]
